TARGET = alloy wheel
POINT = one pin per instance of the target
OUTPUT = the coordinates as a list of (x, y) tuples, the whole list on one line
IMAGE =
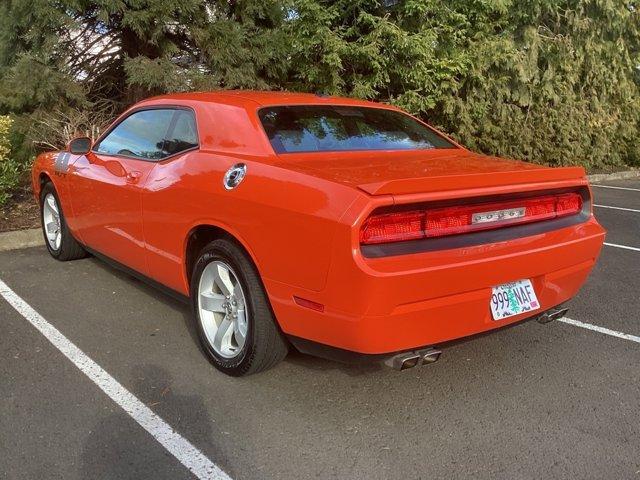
[(223, 309), (52, 223)]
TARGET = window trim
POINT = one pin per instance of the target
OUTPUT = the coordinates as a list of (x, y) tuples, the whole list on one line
[(171, 126), (456, 145)]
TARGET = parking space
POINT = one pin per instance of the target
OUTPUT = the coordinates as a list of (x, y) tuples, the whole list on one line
[(55, 423), (625, 193), (553, 401), (615, 277), (623, 226)]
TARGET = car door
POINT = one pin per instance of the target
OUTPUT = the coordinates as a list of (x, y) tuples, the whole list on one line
[(108, 182), (168, 194)]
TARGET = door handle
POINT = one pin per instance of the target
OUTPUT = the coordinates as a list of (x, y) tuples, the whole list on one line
[(133, 176)]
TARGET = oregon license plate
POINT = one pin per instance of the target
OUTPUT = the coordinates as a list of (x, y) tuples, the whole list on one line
[(513, 299)]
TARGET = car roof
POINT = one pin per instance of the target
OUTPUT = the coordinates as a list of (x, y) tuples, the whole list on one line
[(262, 98), (228, 103)]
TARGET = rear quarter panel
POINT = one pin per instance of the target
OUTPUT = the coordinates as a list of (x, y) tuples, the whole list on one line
[(286, 221)]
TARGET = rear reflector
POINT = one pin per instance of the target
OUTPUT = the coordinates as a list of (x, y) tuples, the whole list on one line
[(303, 302), (440, 222)]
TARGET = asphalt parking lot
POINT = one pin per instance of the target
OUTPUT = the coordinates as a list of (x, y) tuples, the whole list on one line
[(532, 401)]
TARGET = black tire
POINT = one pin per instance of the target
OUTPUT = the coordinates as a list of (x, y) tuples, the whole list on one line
[(69, 248), (265, 345)]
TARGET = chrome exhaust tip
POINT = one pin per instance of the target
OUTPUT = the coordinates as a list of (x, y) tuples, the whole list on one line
[(553, 314), (431, 356), (406, 360), (544, 318), (409, 362)]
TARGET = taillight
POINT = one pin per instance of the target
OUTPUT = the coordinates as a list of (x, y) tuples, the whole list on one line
[(393, 227), (439, 222)]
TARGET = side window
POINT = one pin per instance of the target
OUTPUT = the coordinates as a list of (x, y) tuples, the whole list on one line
[(184, 134), (141, 135)]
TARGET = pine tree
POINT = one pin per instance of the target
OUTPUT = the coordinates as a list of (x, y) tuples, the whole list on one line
[(555, 82)]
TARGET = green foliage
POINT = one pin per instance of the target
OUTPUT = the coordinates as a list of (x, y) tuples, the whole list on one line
[(11, 170), (5, 145), (551, 81), (558, 86), (554, 82)]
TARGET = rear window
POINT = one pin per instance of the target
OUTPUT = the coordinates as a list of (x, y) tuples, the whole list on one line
[(319, 128)]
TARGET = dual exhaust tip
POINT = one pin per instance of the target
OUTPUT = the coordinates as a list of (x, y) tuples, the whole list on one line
[(426, 356), (406, 360)]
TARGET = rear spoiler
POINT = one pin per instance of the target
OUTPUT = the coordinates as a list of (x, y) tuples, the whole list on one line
[(470, 181)]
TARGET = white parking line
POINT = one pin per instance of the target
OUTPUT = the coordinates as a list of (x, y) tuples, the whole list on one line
[(617, 188), (618, 208), (625, 247), (172, 441), (595, 328)]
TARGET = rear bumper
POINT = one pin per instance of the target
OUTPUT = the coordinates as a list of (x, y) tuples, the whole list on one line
[(350, 357), (384, 305)]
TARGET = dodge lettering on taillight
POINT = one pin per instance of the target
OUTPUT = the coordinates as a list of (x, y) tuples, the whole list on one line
[(497, 215)]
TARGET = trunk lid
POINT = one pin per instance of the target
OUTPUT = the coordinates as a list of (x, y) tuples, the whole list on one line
[(420, 171)]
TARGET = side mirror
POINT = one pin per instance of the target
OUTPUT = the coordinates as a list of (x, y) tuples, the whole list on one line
[(80, 146)]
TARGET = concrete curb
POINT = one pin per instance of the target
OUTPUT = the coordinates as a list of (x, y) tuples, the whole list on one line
[(21, 239), (604, 177)]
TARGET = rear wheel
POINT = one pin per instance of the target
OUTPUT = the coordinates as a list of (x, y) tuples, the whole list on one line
[(58, 239), (232, 314)]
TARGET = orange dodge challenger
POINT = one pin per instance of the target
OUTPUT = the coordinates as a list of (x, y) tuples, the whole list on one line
[(345, 228)]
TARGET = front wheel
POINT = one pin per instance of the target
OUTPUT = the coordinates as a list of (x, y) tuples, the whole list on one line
[(58, 238), (233, 318)]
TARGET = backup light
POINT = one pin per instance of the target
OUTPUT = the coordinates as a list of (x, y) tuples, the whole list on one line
[(440, 222)]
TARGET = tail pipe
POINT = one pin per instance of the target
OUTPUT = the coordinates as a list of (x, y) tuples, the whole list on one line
[(406, 360), (552, 314), (425, 356)]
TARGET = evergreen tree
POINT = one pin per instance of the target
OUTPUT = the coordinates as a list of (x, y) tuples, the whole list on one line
[(552, 81)]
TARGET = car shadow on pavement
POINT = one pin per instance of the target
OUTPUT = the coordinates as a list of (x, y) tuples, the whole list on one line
[(178, 306), (294, 357), (118, 448), (320, 364)]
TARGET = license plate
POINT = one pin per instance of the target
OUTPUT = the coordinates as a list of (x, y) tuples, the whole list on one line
[(513, 299)]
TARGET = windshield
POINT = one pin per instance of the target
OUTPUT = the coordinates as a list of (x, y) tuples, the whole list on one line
[(319, 128)]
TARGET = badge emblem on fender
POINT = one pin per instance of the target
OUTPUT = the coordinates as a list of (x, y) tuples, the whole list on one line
[(61, 164), (234, 176)]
